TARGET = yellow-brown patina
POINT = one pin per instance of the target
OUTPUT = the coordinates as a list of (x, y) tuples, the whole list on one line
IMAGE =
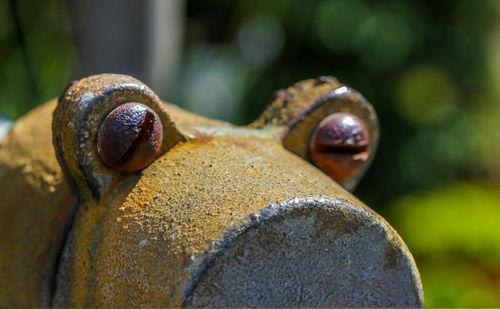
[(219, 209)]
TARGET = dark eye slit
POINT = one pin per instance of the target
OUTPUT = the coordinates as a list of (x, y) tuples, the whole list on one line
[(346, 149), (140, 140)]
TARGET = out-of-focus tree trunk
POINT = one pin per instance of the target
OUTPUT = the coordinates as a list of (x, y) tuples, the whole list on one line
[(138, 38)]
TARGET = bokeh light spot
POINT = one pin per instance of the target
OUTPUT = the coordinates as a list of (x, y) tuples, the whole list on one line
[(337, 22), (260, 40), (426, 96), (385, 39)]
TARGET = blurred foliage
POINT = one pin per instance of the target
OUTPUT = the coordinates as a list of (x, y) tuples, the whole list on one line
[(36, 54), (430, 68), (453, 234)]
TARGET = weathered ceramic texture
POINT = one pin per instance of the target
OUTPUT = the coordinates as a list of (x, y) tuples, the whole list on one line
[(225, 215)]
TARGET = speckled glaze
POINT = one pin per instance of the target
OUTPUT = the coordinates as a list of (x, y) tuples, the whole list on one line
[(224, 216)]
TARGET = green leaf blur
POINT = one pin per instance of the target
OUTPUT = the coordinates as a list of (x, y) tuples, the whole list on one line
[(453, 234)]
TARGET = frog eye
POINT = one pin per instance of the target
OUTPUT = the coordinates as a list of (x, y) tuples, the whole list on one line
[(340, 145), (130, 137), (328, 124), (106, 126)]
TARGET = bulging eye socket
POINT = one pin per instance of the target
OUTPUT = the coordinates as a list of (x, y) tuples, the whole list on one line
[(130, 137), (340, 145), (301, 107)]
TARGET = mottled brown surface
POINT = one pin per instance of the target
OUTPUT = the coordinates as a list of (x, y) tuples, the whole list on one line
[(34, 209), (166, 235), (142, 245), (36, 205)]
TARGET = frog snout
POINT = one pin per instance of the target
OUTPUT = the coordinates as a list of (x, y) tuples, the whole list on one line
[(222, 223), (288, 236), (305, 252)]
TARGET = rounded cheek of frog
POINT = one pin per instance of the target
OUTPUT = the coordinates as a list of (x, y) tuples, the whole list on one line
[(340, 145)]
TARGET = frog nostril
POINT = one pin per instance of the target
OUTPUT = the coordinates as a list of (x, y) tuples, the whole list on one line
[(130, 137), (340, 145)]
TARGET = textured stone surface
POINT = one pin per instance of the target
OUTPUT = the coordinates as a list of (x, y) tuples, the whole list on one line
[(35, 204), (310, 253), (225, 216)]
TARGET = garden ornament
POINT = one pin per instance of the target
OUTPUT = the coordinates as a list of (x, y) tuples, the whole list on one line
[(112, 198)]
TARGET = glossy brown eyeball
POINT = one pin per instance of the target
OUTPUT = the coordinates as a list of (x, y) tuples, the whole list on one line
[(130, 137), (340, 145)]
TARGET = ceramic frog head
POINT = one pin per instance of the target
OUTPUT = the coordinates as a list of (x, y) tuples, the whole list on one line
[(114, 198)]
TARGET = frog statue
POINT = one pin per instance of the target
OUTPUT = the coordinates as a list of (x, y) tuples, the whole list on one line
[(112, 198)]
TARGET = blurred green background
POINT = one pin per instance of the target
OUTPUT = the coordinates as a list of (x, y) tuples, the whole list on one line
[(430, 68)]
